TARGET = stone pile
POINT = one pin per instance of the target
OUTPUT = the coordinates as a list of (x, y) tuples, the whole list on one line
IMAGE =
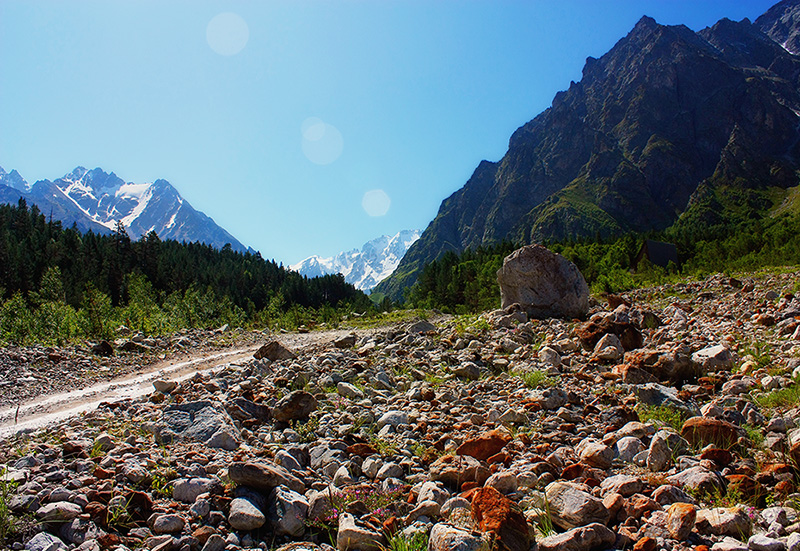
[(658, 423)]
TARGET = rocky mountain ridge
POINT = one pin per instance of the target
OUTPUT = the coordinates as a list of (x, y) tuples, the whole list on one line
[(97, 201), (365, 267), (654, 425), (670, 126)]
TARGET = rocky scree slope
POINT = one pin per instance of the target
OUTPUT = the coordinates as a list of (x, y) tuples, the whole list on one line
[(496, 431), (669, 125), (95, 200)]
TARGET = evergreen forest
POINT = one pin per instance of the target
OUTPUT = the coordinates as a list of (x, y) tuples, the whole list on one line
[(59, 284)]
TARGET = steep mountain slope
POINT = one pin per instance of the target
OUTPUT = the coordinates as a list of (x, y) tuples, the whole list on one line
[(364, 268), (96, 200), (782, 24), (668, 124)]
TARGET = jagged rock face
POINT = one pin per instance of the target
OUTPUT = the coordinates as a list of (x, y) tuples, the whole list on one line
[(782, 23), (13, 180), (660, 127)]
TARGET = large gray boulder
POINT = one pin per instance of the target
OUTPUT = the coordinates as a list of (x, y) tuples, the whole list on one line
[(543, 283)]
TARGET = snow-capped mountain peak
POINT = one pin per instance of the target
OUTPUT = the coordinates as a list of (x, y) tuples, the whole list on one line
[(98, 201), (364, 268), (13, 180)]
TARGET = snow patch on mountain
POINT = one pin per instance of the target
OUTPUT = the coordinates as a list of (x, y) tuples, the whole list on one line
[(141, 194), (364, 268)]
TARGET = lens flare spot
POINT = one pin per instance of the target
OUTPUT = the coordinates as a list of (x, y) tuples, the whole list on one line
[(313, 129), (322, 142), (376, 203), (227, 33)]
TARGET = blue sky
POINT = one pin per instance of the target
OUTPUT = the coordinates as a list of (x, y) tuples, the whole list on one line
[(302, 127)]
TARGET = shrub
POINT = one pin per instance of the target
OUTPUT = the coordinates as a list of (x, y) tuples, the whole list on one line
[(16, 321), (56, 323), (98, 312), (400, 542)]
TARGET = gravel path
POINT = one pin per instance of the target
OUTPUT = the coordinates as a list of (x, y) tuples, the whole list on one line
[(55, 384)]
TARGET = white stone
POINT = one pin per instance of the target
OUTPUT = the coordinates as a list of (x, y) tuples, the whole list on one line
[(393, 418), (168, 524), (187, 489), (354, 536), (244, 515), (444, 537)]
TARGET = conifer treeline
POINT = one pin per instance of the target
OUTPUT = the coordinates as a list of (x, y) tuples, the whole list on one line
[(30, 245), (467, 282), (461, 283)]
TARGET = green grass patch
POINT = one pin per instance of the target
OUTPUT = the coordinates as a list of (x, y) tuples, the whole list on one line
[(536, 378), (544, 522), (755, 435), (383, 447), (471, 324), (433, 379), (400, 542), (7, 521), (307, 430), (778, 399), (760, 352), (664, 414)]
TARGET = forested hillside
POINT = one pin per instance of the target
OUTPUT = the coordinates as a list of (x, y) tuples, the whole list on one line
[(466, 282), (61, 283)]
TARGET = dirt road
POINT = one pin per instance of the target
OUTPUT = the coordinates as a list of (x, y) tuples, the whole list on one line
[(44, 410)]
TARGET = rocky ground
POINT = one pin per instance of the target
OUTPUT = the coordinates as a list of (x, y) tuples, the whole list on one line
[(665, 421)]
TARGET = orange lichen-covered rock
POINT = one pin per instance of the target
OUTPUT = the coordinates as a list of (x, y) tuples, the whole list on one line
[(705, 430), (680, 520), (485, 445), (496, 514)]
